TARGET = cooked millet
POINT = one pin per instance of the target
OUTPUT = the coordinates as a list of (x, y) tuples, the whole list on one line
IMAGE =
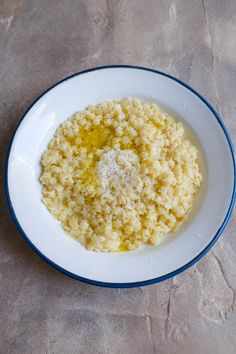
[(120, 174)]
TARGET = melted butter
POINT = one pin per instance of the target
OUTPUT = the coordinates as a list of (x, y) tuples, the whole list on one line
[(95, 138), (89, 177), (123, 248), (92, 140)]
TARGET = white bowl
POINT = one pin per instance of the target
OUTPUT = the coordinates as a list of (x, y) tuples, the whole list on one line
[(150, 264)]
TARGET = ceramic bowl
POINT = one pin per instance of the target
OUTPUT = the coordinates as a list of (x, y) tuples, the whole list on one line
[(148, 265)]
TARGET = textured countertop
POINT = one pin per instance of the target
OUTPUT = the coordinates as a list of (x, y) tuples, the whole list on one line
[(43, 311)]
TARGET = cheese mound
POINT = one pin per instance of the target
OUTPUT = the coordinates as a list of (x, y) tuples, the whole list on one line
[(120, 174)]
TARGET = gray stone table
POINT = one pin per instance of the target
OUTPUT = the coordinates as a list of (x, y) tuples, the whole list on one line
[(43, 311)]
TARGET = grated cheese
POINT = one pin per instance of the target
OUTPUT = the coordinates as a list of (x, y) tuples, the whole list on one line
[(117, 169)]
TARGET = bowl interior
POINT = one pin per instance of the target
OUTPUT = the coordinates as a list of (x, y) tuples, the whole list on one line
[(73, 94)]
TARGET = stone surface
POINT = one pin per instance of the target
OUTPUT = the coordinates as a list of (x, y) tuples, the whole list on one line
[(43, 311)]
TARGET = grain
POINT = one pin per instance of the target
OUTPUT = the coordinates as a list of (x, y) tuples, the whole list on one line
[(120, 174)]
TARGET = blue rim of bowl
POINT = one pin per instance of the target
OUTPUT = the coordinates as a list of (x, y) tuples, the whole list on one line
[(139, 283)]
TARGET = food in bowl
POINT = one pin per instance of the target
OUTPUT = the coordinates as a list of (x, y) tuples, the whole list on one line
[(119, 175)]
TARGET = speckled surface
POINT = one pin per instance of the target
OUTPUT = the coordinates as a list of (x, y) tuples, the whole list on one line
[(43, 311)]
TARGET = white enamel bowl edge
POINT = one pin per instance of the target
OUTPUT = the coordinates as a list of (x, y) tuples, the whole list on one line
[(150, 264)]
